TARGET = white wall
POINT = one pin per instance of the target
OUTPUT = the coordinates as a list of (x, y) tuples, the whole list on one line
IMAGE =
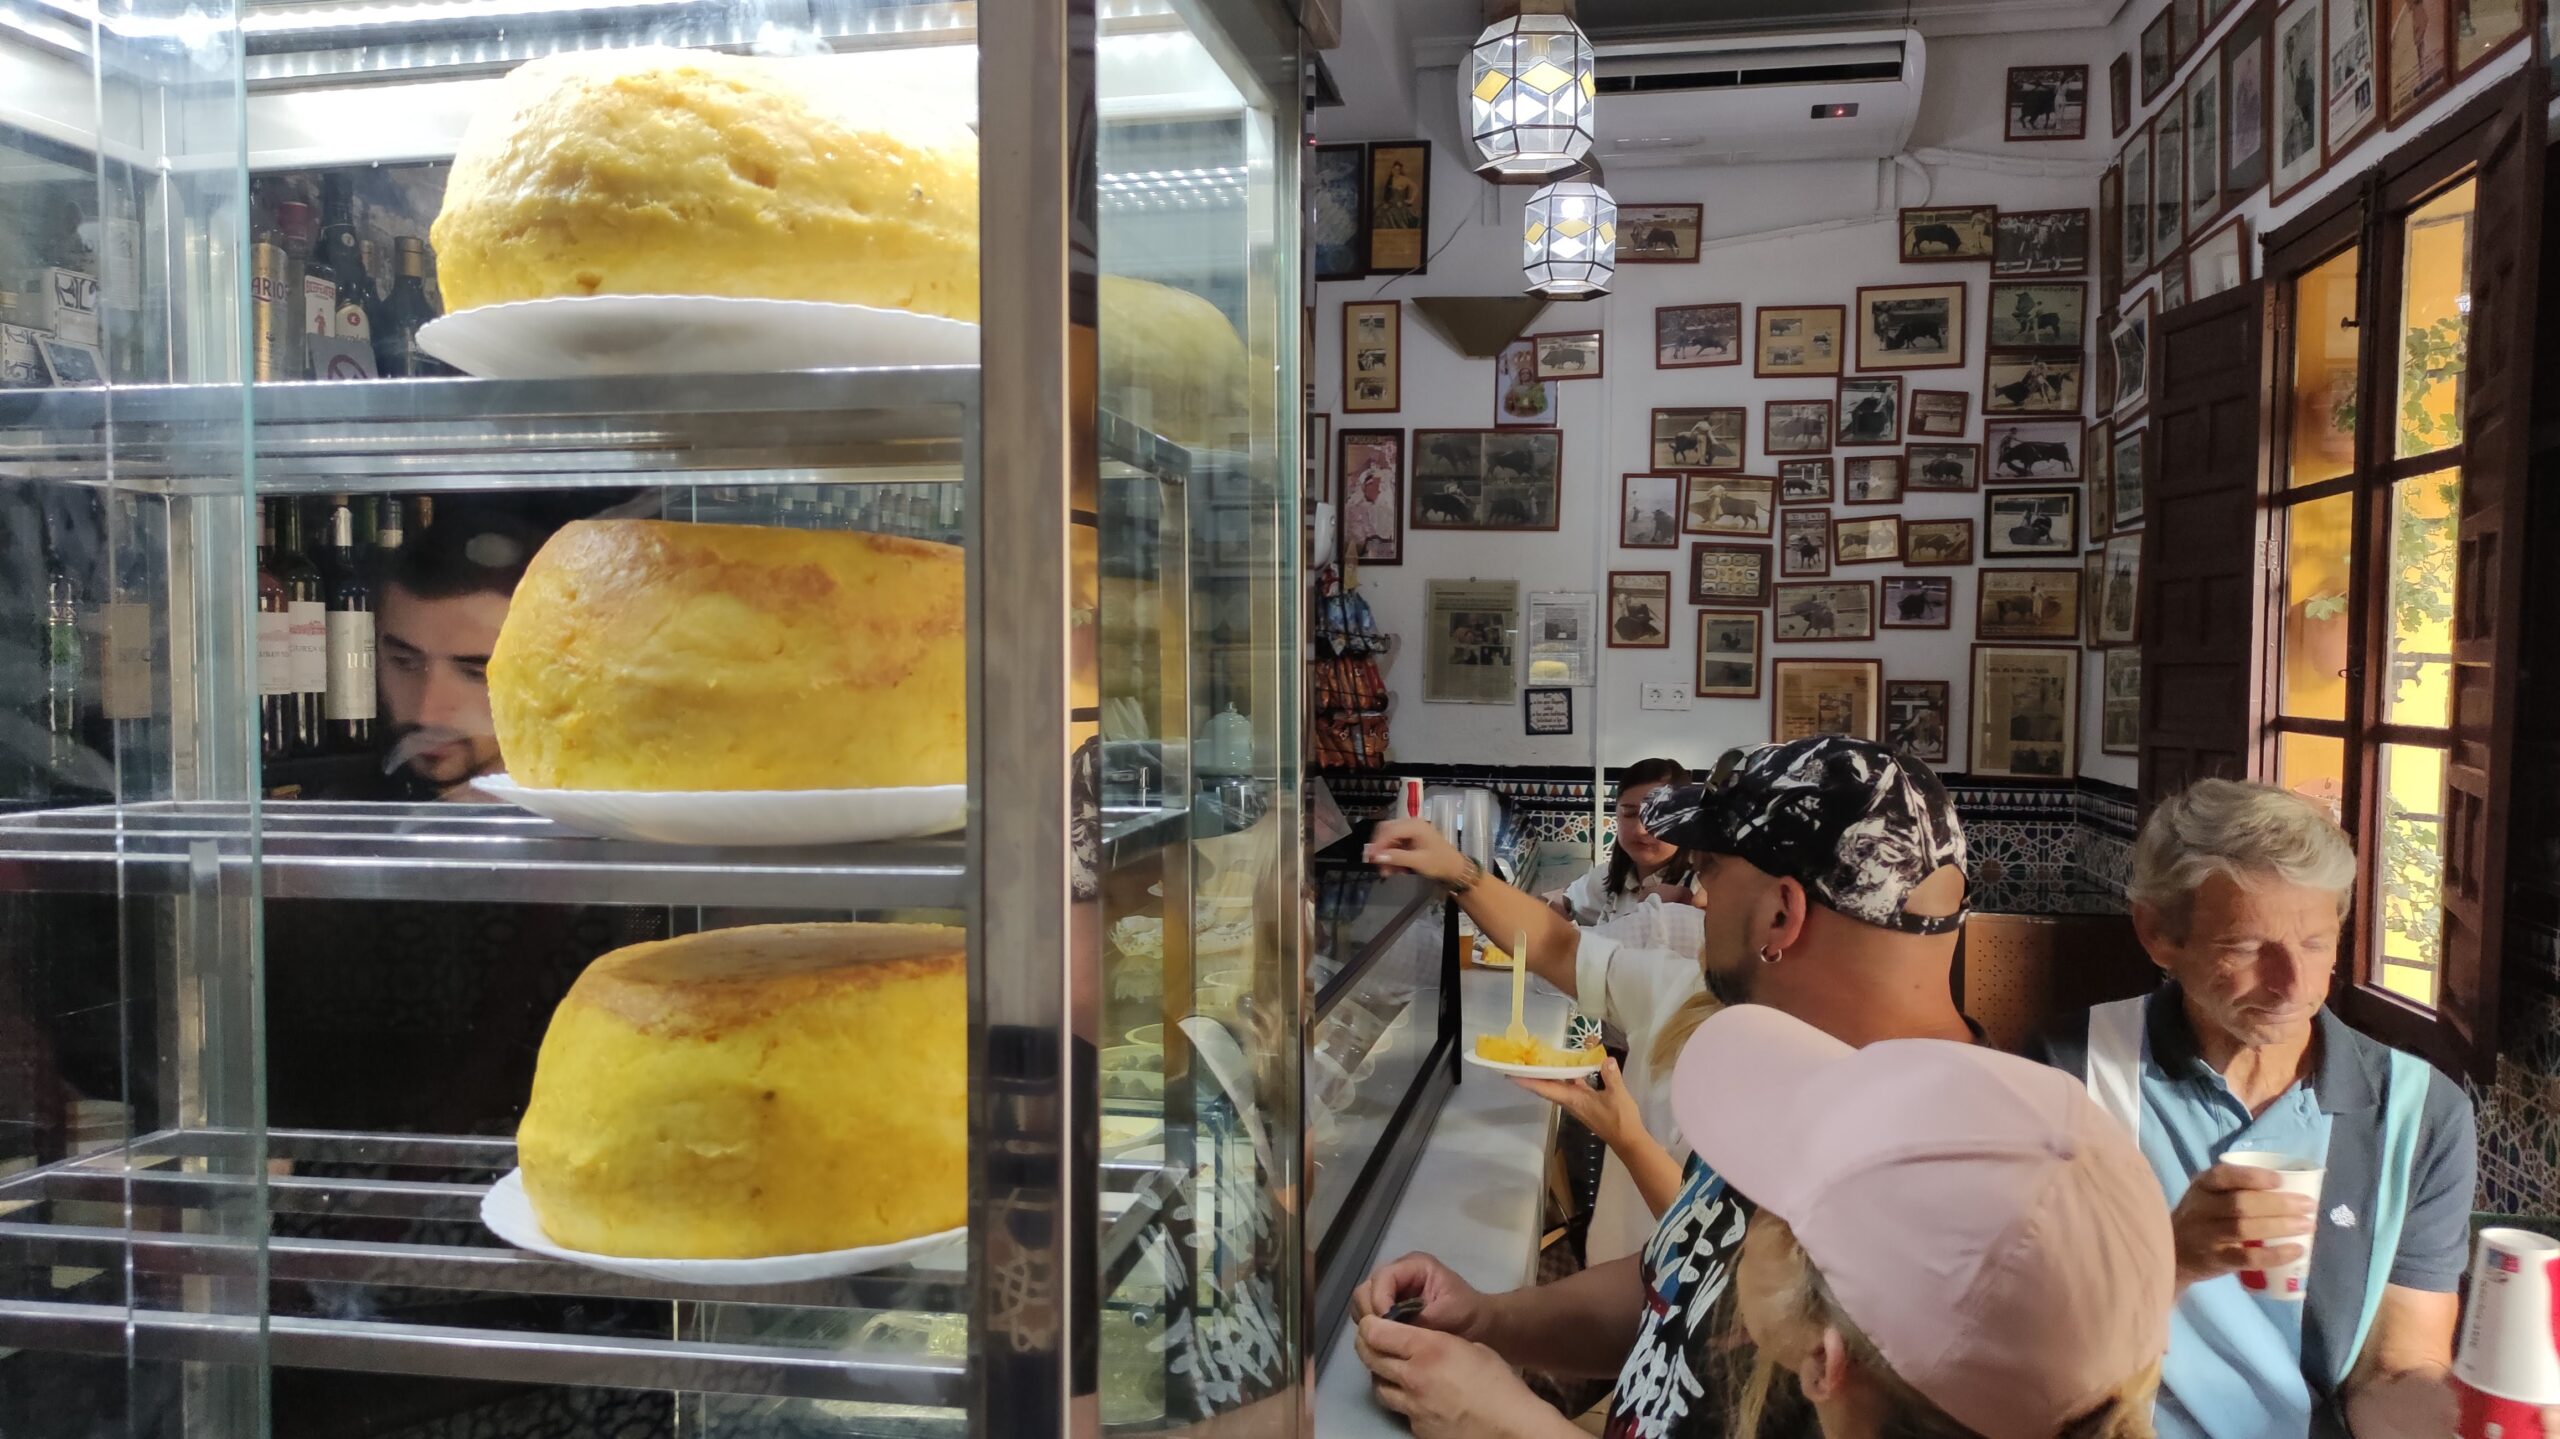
[(1794, 234)]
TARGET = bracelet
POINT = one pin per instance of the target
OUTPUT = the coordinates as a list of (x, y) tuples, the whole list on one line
[(1468, 880)]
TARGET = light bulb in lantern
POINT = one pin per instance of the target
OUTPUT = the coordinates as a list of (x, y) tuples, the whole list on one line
[(1569, 240), (1530, 91)]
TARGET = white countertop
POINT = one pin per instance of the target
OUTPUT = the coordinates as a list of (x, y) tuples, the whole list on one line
[(1478, 1193)]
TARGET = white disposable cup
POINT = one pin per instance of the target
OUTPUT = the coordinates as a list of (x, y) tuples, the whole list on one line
[(2508, 1348), (2294, 1175)]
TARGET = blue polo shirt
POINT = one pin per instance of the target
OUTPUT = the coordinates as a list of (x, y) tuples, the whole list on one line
[(2241, 1366)]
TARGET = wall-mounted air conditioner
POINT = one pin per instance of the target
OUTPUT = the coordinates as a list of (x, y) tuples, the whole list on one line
[(1832, 96)]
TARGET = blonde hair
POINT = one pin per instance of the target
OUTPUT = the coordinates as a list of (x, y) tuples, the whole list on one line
[(1908, 1414), (1674, 1034), (2244, 831)]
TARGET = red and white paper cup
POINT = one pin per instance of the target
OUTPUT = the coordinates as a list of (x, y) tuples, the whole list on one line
[(2507, 1370), (1408, 798), (2294, 1175)]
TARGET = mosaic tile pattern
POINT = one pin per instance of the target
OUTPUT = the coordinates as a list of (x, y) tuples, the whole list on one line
[(2519, 1111), (2106, 821)]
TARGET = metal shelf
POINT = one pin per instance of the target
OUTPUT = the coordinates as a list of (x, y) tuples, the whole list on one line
[(164, 1177), (863, 424), (319, 849), (793, 427)]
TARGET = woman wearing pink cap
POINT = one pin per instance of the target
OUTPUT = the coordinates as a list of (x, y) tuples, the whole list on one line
[(1949, 1245)]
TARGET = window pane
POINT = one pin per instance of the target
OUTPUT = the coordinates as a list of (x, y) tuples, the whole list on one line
[(2417, 686), (2409, 871), (2324, 372), (2315, 767), (2316, 616), (2435, 317)]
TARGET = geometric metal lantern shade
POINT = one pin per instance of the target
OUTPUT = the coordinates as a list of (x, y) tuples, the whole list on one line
[(1530, 89), (1569, 240)]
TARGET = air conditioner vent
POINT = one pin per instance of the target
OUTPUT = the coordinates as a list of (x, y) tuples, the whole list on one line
[(1665, 81)]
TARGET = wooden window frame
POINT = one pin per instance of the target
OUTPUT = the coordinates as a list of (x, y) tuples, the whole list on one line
[(2368, 215)]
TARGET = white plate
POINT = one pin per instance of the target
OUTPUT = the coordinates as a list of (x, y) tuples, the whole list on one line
[(1531, 1071), (575, 335), (745, 816), (509, 1214)]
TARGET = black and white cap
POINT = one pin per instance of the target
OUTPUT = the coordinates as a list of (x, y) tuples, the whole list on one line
[(1857, 825)]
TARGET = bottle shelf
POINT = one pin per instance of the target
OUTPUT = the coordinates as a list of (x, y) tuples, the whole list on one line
[(408, 436), (174, 1179)]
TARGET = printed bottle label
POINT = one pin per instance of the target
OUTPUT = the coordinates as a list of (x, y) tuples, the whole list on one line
[(350, 665), (275, 653), (310, 646)]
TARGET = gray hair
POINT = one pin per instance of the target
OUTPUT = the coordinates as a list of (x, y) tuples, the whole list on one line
[(2245, 831)]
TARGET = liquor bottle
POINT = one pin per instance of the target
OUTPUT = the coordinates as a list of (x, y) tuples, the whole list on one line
[(344, 254), (274, 342), (315, 287), (306, 605), (388, 537), (63, 656), (277, 737), (351, 640), (395, 346)]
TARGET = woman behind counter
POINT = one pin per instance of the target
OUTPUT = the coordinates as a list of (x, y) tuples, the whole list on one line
[(1639, 866)]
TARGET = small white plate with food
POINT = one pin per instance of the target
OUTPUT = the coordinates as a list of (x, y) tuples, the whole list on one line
[(574, 336), (508, 1212), (1531, 1058), (744, 816)]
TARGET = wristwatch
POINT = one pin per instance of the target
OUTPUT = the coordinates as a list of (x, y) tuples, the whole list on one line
[(1467, 881)]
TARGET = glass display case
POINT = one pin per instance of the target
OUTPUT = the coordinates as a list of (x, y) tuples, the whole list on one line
[(276, 961)]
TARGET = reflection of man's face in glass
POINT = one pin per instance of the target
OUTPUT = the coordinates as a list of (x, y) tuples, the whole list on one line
[(435, 681)]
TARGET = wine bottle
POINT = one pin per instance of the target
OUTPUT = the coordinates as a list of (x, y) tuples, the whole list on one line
[(277, 738), (395, 347), (306, 602), (388, 538), (63, 655), (343, 252), (351, 698)]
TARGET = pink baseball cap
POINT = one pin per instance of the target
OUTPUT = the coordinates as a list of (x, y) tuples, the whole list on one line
[(1997, 1236)]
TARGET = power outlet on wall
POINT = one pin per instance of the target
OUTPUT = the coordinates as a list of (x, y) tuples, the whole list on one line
[(1666, 697)]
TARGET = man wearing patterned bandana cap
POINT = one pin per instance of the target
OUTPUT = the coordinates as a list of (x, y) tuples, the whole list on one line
[(1830, 877)]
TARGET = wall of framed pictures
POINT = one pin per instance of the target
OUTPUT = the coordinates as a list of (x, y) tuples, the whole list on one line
[(2274, 105), (1799, 408)]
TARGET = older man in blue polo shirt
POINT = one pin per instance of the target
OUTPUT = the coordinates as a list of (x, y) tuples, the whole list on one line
[(2238, 892)]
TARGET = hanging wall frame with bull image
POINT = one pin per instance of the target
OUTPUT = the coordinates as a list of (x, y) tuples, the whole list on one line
[(2031, 524), (1826, 611), (2031, 382), (1796, 427), (1708, 438), (2028, 604), (1910, 327), (1946, 469), (1649, 512), (1867, 541), (2039, 316), (1691, 337), (1792, 340), (1659, 234), (1946, 233), (2047, 102), (1487, 479), (1730, 505), (1804, 543), (1871, 410), (1939, 413), (2045, 244), (1804, 482), (1937, 542), (2024, 452), (1919, 602)]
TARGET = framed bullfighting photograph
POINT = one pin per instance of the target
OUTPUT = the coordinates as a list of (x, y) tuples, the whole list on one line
[(1939, 414), (1689, 337), (1804, 543), (1486, 479), (1915, 718), (1816, 697), (1659, 234), (2032, 382), (1730, 505), (1876, 541), (2028, 604), (1946, 233), (1871, 410), (2048, 102), (1826, 611), (2024, 524), (1729, 654), (1649, 512), (1804, 482), (1947, 469), (1796, 427), (1707, 438), (1640, 609), (1792, 340), (1910, 327), (2040, 244), (2026, 712), (2025, 451), (1918, 602), (1937, 542), (1721, 574), (2032, 315)]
